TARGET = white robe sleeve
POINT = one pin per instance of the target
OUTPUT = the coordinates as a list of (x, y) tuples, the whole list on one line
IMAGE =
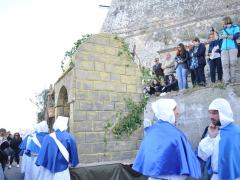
[(206, 148), (147, 123)]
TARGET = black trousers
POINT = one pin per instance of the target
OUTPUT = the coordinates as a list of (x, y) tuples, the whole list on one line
[(200, 75), (14, 155), (194, 76), (216, 64)]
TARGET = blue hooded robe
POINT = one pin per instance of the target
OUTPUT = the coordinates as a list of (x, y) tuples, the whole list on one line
[(228, 167), (50, 156), (229, 152), (166, 151)]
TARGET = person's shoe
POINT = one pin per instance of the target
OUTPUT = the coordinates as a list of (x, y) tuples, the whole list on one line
[(10, 166), (18, 166)]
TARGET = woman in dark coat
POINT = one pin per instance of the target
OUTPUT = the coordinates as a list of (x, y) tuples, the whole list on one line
[(14, 144)]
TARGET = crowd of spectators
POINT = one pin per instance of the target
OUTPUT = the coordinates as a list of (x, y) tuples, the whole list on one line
[(221, 56), (9, 149)]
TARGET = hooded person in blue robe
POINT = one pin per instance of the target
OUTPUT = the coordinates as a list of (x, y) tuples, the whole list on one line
[(222, 144), (165, 152), (33, 148), (26, 158), (58, 153)]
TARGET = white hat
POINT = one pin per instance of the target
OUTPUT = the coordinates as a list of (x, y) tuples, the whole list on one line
[(224, 110), (41, 127), (163, 110), (61, 123)]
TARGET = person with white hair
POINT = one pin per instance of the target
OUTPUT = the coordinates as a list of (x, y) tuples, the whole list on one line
[(41, 130), (58, 153), (221, 145), (165, 152)]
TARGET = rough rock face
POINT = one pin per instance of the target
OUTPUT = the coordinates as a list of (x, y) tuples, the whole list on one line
[(154, 25)]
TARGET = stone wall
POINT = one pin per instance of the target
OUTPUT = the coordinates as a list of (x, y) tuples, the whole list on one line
[(97, 86), (193, 105), (154, 25)]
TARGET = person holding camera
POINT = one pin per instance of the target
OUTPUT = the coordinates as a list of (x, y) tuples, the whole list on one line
[(214, 54), (181, 59), (229, 49)]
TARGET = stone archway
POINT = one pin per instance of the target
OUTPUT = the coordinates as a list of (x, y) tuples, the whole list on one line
[(63, 107)]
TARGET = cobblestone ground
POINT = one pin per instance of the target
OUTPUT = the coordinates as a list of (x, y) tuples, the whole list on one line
[(14, 173)]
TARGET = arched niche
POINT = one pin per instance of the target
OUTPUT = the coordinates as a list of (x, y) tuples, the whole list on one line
[(63, 107)]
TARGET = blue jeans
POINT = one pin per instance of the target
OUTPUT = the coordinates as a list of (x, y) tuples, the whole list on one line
[(182, 76)]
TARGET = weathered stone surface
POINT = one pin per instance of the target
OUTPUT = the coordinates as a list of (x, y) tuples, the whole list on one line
[(80, 137), (86, 65), (87, 85), (115, 69), (79, 115), (106, 115), (82, 126), (92, 116), (99, 66), (88, 75), (114, 77), (104, 76)]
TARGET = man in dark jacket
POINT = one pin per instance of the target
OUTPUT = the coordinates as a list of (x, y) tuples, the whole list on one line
[(199, 53), (157, 68)]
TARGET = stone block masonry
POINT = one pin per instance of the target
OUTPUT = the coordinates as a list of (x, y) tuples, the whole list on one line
[(100, 80)]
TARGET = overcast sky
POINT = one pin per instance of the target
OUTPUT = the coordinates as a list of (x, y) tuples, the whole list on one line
[(34, 35)]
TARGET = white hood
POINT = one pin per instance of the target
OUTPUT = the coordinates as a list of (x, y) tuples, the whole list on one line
[(224, 110), (163, 109), (61, 123), (41, 127)]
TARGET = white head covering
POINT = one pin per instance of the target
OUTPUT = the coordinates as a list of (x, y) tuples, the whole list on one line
[(61, 123), (224, 110), (35, 128), (163, 109), (41, 127)]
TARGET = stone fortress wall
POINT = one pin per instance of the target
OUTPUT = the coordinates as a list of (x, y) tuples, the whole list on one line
[(158, 25)]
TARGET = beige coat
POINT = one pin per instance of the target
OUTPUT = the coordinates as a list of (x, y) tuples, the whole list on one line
[(168, 66)]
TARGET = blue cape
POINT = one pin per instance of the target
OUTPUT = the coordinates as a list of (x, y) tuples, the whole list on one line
[(51, 158), (23, 145), (229, 152), (166, 151), (33, 148)]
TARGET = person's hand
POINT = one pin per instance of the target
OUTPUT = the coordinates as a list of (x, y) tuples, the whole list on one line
[(230, 36), (180, 61), (213, 131), (224, 36)]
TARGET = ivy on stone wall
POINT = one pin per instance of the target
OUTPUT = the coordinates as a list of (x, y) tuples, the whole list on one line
[(132, 121), (124, 49), (127, 123), (77, 44), (69, 54)]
